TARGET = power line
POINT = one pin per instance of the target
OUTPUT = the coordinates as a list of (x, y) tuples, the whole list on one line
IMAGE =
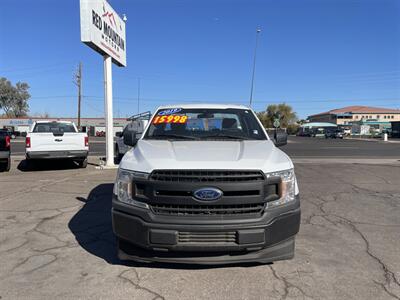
[(304, 102), (94, 107), (36, 68)]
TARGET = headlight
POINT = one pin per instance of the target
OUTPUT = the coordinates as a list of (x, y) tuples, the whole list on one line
[(287, 187), (124, 187)]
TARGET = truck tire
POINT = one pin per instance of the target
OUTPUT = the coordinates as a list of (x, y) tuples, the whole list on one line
[(29, 163), (117, 154), (8, 165), (83, 163)]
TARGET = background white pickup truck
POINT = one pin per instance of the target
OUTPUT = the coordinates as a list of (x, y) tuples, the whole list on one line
[(57, 140)]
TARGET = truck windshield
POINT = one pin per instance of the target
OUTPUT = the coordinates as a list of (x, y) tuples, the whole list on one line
[(54, 127), (205, 124)]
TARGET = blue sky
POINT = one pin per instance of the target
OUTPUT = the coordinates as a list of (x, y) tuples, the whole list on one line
[(313, 54)]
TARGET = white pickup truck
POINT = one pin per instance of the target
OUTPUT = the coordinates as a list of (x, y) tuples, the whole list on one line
[(57, 140), (205, 184)]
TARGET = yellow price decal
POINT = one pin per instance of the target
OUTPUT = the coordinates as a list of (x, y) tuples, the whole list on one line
[(170, 119)]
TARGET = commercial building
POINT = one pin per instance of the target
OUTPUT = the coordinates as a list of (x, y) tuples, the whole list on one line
[(315, 128), (91, 125), (352, 114)]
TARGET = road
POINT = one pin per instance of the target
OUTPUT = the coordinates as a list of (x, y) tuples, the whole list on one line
[(306, 147), (298, 147), (56, 241)]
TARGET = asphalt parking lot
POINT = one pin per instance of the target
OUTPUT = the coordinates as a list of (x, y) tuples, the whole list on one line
[(56, 239)]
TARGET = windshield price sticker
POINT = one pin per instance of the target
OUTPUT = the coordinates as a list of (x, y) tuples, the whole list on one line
[(170, 119), (169, 111)]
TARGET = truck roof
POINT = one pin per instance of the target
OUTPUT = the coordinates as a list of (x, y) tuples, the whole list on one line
[(204, 105), (52, 121)]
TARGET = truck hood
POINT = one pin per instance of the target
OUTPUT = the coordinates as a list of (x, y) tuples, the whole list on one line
[(149, 155)]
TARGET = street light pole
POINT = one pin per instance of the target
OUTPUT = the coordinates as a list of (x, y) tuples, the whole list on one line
[(254, 66)]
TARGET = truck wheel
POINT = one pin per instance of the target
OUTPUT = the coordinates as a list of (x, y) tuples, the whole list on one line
[(8, 165), (29, 164), (117, 154), (83, 163)]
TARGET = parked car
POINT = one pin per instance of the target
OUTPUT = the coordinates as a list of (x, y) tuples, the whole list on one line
[(100, 133), (5, 144), (57, 140), (334, 134), (11, 131), (347, 131), (205, 184)]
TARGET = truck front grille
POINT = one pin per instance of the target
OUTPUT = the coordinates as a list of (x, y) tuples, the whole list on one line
[(229, 209), (206, 175), (207, 237)]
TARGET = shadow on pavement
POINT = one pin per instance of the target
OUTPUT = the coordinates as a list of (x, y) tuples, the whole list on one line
[(92, 228), (46, 165)]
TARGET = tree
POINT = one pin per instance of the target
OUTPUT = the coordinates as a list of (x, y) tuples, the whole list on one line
[(14, 99), (285, 112)]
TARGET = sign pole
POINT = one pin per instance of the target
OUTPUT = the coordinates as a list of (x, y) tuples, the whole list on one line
[(103, 30), (108, 109)]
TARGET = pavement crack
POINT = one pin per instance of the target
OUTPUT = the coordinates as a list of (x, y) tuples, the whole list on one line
[(137, 285), (287, 285), (33, 263), (16, 247), (389, 276), (36, 187)]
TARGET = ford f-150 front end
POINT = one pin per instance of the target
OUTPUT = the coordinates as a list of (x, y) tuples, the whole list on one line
[(205, 184)]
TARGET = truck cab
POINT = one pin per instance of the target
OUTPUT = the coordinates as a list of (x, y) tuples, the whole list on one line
[(205, 184)]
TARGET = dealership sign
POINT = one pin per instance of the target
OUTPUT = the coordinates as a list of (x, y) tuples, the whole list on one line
[(103, 30)]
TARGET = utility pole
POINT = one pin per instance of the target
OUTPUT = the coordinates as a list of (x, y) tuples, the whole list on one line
[(254, 66), (78, 83), (138, 95)]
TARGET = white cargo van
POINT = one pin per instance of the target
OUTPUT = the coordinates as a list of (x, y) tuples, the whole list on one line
[(205, 184)]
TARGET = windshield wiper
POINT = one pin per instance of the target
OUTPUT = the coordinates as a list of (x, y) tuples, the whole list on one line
[(172, 136), (226, 136)]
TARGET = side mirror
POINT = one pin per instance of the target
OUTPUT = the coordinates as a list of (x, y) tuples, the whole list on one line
[(130, 138), (118, 134), (280, 138)]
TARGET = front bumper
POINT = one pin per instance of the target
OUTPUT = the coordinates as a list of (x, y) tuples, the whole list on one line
[(57, 154), (142, 237)]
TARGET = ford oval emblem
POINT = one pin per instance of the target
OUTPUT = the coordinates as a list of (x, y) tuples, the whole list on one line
[(207, 194)]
